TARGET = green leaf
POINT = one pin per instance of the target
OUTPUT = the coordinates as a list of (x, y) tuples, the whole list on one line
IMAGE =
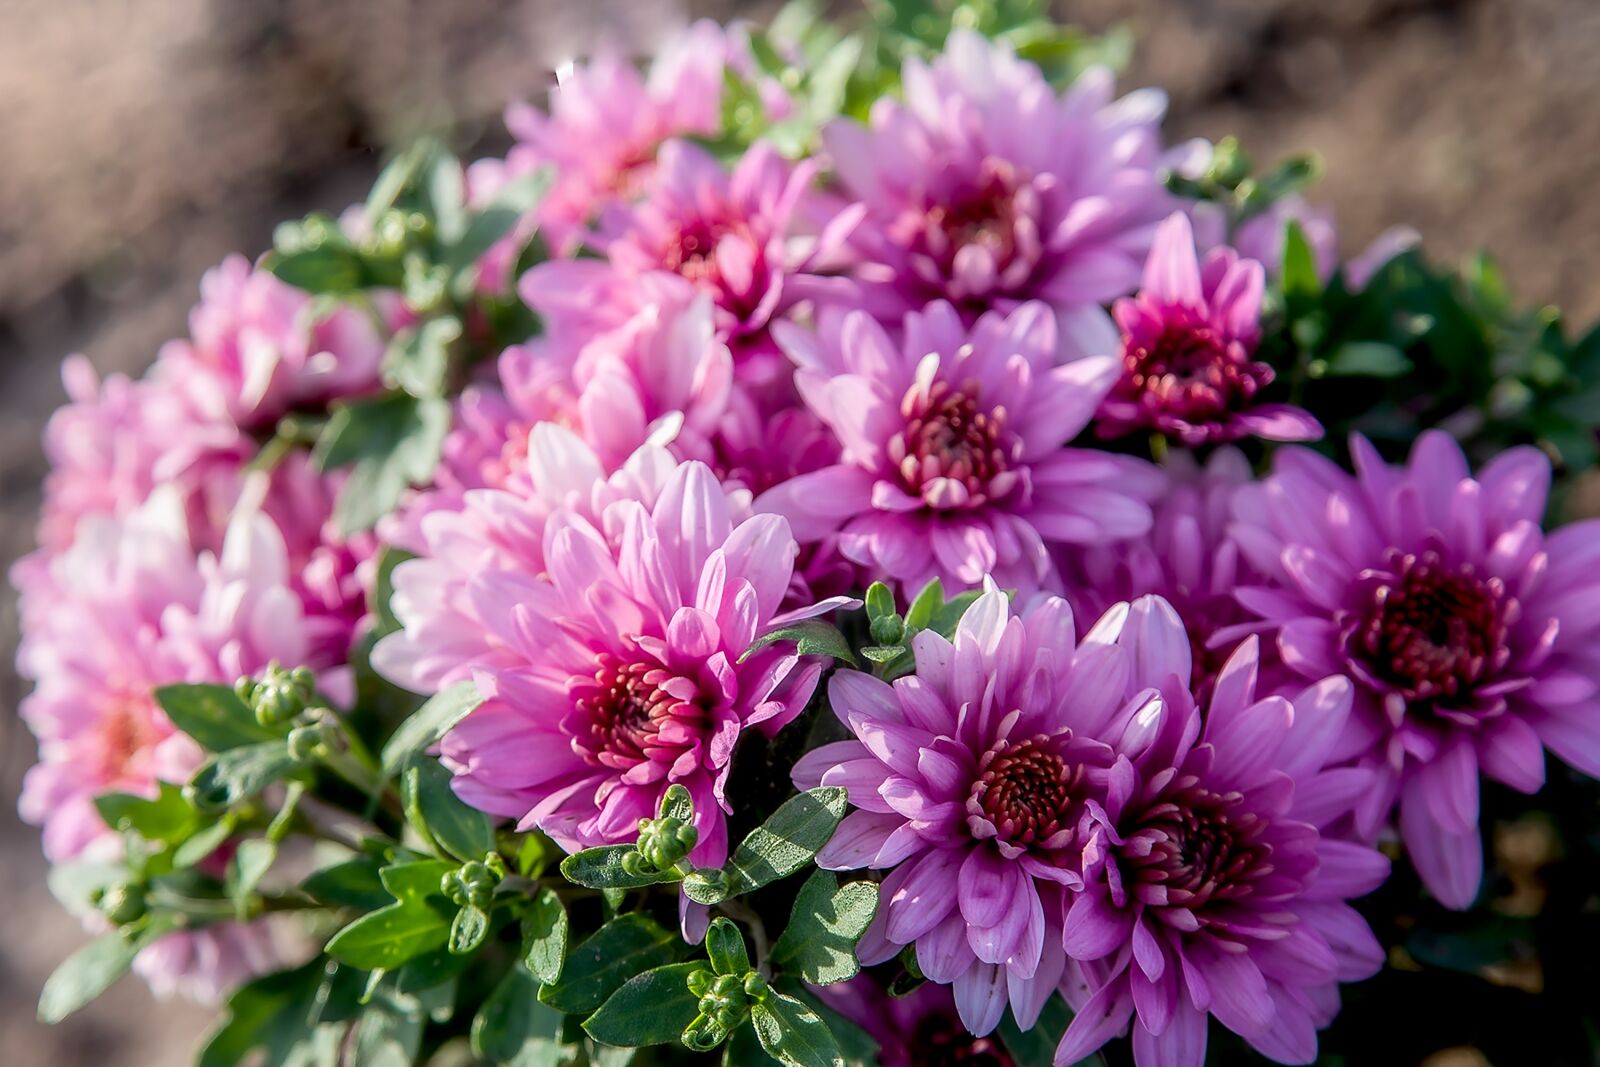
[(819, 943), (468, 930), (433, 807), (544, 936), (725, 947), (393, 442), (250, 862), (514, 202), (390, 936), (601, 868), (1036, 1047), (622, 948), (419, 921), (856, 1045), (214, 716), (676, 803), (232, 776), (830, 79), (812, 637), (1300, 281), (443, 191), (331, 267), (652, 1008), (418, 359), (1369, 359), (926, 605), (787, 841), (515, 1030), (293, 1017), (352, 884), (428, 724), (169, 817), (92, 970), (793, 1034)]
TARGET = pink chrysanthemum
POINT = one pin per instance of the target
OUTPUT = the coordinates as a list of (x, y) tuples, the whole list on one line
[(1209, 888), (603, 127), (127, 608), (1469, 632), (953, 464), (985, 189), (1187, 559), (613, 668), (753, 240), (206, 964), (969, 779), (258, 349), (1188, 350)]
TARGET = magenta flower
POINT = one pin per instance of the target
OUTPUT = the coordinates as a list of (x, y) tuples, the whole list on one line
[(1187, 559), (754, 240), (1188, 350), (613, 670), (1262, 238), (604, 125), (920, 1029), (953, 464), (1208, 886), (970, 779), (987, 190), (258, 349), (207, 963), (1469, 632)]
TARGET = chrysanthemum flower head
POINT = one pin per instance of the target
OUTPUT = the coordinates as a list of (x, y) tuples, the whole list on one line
[(1467, 630), (953, 465), (614, 666), (1188, 350), (605, 121), (1209, 888), (257, 349), (920, 1029), (986, 189), (970, 780)]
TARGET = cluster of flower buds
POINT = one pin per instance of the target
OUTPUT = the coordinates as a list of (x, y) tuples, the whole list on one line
[(663, 844), (279, 694), (725, 1001), (472, 885)]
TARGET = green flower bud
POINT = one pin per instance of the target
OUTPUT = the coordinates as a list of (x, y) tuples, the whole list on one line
[(311, 742), (664, 842), (123, 904), (755, 986), (704, 1034), (888, 629), (279, 694), (700, 982)]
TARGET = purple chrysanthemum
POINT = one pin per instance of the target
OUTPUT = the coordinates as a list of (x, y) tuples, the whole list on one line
[(985, 189), (1188, 350), (920, 1029), (953, 464), (1187, 558), (970, 780), (1467, 630), (612, 667), (1208, 887)]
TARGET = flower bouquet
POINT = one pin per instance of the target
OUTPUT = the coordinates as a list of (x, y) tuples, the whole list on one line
[(844, 547)]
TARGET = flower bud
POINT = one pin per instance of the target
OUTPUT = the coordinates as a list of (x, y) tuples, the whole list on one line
[(311, 742), (279, 695), (123, 904)]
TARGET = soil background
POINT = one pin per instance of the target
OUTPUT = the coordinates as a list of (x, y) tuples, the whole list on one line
[(142, 140)]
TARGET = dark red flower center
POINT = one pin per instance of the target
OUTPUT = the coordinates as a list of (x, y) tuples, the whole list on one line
[(1189, 378), (1026, 791), (622, 714), (1431, 631), (958, 451), (985, 217), (1196, 847), (997, 211), (941, 1041)]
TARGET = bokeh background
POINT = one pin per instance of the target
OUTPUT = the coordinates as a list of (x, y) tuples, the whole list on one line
[(141, 140)]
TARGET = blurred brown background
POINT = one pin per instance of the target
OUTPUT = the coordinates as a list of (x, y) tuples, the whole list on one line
[(141, 140)]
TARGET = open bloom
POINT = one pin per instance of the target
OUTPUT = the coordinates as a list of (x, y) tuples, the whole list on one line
[(1469, 632), (986, 189), (755, 240), (969, 780), (1188, 350), (1208, 888), (614, 669), (604, 124), (258, 349), (953, 464)]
